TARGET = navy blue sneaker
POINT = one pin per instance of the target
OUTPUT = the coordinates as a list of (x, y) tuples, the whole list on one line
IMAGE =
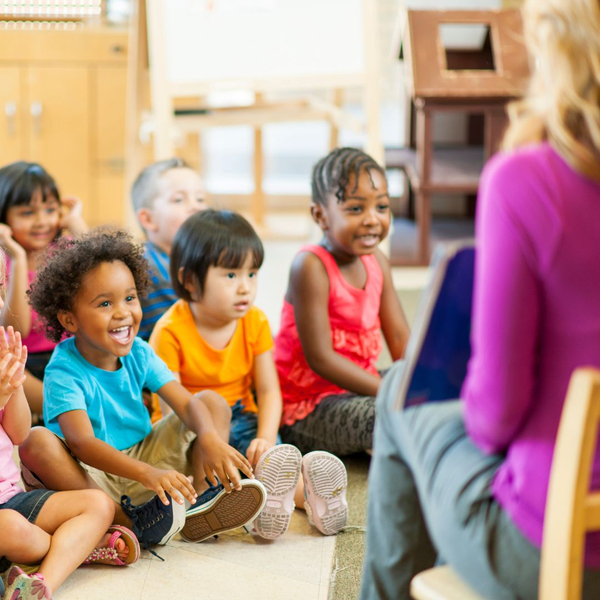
[(216, 511), (153, 522)]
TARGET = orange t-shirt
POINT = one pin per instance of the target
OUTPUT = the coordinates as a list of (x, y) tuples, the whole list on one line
[(229, 371)]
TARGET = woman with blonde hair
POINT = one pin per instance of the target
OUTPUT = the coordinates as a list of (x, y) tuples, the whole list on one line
[(466, 481)]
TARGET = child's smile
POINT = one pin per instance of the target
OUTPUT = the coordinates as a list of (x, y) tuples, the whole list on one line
[(106, 315)]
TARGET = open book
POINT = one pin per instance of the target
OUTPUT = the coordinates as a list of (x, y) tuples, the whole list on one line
[(439, 346)]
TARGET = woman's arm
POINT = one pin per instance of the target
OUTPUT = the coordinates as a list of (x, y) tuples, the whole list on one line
[(393, 322), (309, 295), (505, 326), (268, 399)]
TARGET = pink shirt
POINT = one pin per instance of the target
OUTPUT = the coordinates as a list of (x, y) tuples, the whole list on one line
[(536, 318), (9, 474), (36, 340), (355, 334)]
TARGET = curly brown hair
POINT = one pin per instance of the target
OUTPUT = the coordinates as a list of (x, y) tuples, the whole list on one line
[(68, 261)]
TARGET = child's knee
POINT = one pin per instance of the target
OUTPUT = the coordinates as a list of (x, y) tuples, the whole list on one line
[(99, 504), (40, 444), (13, 525), (216, 404)]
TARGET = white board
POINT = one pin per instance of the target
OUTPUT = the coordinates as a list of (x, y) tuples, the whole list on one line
[(261, 44)]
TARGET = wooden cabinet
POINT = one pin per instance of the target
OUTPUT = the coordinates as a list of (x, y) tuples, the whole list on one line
[(62, 103)]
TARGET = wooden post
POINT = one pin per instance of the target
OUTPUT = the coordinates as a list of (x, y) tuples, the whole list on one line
[(258, 198)]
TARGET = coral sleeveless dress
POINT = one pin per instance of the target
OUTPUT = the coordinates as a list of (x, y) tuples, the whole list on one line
[(355, 334)]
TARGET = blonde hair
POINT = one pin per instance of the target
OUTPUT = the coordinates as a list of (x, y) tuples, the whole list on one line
[(563, 101)]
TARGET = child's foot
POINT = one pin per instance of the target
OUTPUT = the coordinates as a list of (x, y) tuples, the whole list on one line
[(325, 483), (216, 511), (279, 469), (119, 546), (153, 522), (26, 587)]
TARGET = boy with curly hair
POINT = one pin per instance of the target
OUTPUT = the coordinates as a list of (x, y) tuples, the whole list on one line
[(99, 433)]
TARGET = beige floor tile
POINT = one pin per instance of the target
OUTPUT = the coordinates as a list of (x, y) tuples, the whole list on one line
[(99, 582), (187, 574), (303, 553)]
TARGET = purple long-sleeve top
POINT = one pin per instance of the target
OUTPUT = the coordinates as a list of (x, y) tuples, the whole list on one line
[(536, 318)]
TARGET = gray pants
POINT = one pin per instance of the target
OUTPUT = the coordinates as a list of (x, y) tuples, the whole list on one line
[(429, 497)]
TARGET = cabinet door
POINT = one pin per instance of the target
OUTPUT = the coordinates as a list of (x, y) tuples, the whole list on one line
[(59, 126), (11, 116)]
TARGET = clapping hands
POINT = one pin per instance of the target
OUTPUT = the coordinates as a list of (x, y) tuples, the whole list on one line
[(13, 356)]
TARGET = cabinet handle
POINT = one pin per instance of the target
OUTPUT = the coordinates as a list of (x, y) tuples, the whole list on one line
[(117, 49), (10, 110), (36, 113)]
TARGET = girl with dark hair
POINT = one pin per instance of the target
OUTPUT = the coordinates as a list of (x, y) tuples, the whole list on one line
[(213, 338), (340, 298), (32, 216)]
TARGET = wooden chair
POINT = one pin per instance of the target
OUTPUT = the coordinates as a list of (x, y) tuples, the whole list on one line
[(572, 509)]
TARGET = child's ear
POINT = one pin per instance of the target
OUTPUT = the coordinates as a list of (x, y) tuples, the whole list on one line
[(67, 320), (189, 284), (319, 217), (146, 219)]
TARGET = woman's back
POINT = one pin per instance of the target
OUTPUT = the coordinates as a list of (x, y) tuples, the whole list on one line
[(536, 317)]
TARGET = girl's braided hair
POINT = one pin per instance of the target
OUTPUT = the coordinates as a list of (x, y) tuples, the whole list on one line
[(332, 173)]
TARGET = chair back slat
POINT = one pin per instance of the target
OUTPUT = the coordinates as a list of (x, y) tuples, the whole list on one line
[(571, 510)]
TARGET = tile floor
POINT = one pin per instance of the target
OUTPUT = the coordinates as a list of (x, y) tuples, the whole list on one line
[(237, 565)]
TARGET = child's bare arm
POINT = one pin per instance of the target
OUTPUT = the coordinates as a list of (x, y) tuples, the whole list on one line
[(16, 310), (79, 435), (219, 458), (72, 219), (393, 322), (268, 397), (309, 294)]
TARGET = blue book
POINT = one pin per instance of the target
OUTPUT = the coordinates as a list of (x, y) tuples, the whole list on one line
[(439, 346)]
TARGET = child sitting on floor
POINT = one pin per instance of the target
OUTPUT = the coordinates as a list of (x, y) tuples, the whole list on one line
[(214, 338), (164, 195), (99, 430), (32, 217), (55, 530), (340, 297)]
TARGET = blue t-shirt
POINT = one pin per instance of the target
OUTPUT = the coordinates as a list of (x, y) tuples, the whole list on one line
[(112, 399)]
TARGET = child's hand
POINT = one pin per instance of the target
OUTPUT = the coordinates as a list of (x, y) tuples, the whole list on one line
[(225, 462), (11, 377), (8, 242), (72, 219), (10, 341), (258, 446), (171, 482)]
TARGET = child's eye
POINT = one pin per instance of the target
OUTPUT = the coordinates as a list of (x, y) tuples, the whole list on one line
[(253, 274), (383, 207), (130, 298), (26, 213), (230, 275), (104, 304), (354, 209), (177, 199), (51, 211)]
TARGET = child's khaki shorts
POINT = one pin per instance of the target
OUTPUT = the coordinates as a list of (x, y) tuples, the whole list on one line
[(167, 446)]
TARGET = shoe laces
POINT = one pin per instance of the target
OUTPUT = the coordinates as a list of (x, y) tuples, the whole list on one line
[(143, 518)]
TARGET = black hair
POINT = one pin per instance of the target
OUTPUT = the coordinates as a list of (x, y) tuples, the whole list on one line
[(332, 173), (19, 181), (211, 238), (68, 261)]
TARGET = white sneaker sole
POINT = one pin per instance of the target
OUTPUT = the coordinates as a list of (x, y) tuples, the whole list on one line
[(225, 512), (325, 483), (178, 522), (279, 469)]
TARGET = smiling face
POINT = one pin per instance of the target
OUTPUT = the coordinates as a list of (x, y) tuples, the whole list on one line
[(356, 226), (179, 194), (228, 293), (36, 224), (106, 315)]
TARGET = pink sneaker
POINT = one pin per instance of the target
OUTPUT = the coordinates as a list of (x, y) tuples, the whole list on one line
[(26, 587), (325, 483), (279, 470)]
